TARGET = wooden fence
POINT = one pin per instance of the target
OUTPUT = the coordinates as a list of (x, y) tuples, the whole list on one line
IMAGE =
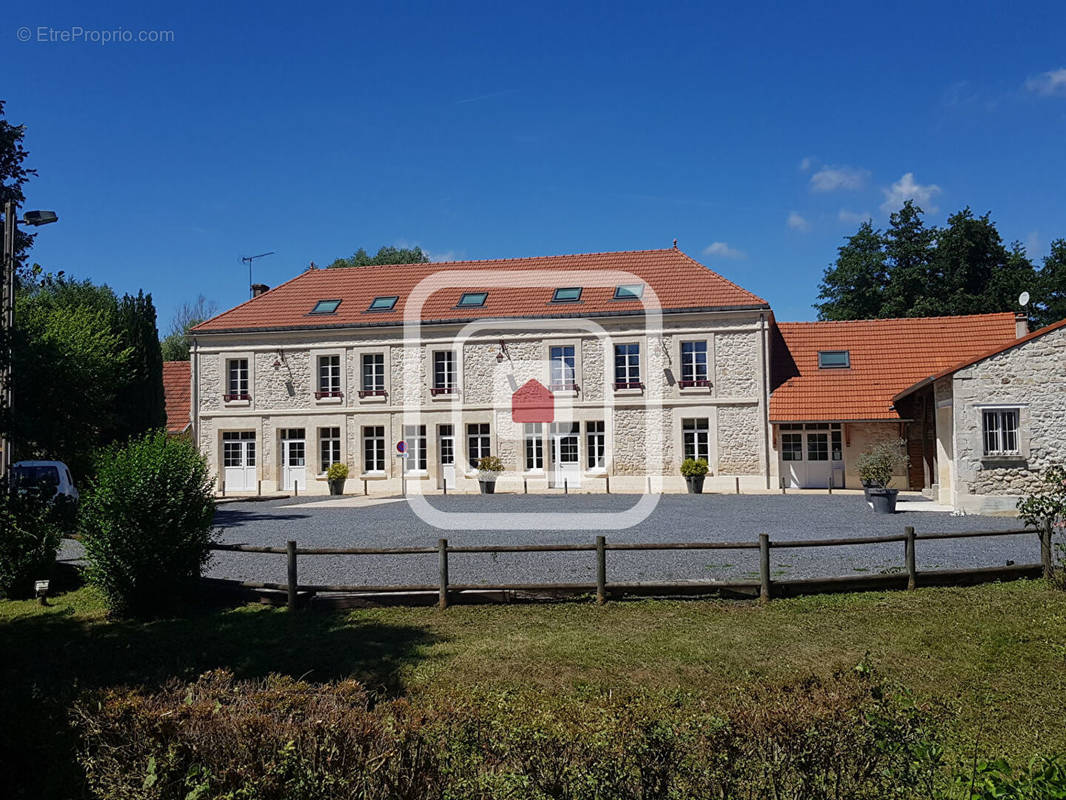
[(764, 589)]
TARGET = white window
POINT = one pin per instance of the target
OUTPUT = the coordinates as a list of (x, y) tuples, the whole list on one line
[(597, 444), (415, 437), (374, 448), (693, 363), (329, 447), (1000, 428), (627, 366), (373, 375), (791, 446), (443, 372), (329, 377), (238, 449), (447, 444), (562, 366), (237, 382), (695, 434), (477, 442), (534, 446)]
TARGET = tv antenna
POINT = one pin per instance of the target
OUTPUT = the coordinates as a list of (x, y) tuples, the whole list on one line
[(1023, 299), (248, 260)]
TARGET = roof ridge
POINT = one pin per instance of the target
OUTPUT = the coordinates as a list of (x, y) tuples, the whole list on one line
[(896, 319), (513, 258), (722, 277), (294, 278)]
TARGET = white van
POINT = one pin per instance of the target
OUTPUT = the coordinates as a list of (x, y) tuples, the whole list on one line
[(54, 473)]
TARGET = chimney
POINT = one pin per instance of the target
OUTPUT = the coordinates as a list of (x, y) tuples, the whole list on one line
[(259, 288), (1021, 324)]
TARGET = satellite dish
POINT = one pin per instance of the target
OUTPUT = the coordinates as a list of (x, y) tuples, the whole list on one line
[(1023, 300)]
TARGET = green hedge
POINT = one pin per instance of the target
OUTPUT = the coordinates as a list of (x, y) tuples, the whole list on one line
[(32, 525), (146, 523)]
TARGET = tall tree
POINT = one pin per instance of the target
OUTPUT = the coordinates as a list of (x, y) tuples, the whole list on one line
[(13, 176), (175, 346), (909, 252), (853, 286), (1049, 297), (140, 405), (385, 255)]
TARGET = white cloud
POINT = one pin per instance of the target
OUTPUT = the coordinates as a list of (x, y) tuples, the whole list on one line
[(854, 217), (906, 188), (806, 164), (723, 250), (797, 222), (831, 179), (436, 256), (1048, 83)]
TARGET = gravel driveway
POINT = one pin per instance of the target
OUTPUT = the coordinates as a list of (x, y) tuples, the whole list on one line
[(678, 518)]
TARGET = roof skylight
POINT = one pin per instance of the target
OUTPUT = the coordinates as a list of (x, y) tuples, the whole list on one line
[(383, 303), (834, 359), (568, 294), (473, 299), (632, 291), (325, 306)]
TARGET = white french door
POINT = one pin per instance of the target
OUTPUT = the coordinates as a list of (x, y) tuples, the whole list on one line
[(238, 460), (566, 455), (446, 442), (811, 457), (293, 459)]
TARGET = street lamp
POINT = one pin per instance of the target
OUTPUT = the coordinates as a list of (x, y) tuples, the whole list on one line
[(36, 219)]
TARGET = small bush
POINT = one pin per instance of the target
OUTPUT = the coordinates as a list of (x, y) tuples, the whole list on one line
[(491, 466), (146, 522), (32, 525), (337, 471), (281, 739), (694, 467), (1045, 510), (879, 463)]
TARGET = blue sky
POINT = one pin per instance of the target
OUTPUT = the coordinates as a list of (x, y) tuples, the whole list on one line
[(757, 136)]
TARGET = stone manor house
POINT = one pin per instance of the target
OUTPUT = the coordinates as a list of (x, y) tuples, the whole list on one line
[(634, 361)]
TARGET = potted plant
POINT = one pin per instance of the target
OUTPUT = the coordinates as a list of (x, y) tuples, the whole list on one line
[(488, 470), (876, 468), (336, 475), (695, 472)]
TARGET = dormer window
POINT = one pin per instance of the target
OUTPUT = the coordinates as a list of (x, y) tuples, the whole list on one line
[(325, 307), (632, 291), (570, 294), (472, 299), (383, 304), (834, 359)]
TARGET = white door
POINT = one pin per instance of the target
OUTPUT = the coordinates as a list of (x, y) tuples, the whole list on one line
[(447, 457), (818, 472), (293, 463), (566, 458), (238, 461)]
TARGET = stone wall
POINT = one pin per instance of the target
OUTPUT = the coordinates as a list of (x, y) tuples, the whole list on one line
[(736, 361), (1031, 376), (287, 386), (740, 440)]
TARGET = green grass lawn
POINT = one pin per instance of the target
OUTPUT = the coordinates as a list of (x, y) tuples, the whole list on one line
[(991, 659)]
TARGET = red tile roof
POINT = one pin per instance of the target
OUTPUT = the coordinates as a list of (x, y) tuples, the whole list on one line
[(970, 361), (680, 282), (176, 390), (887, 355)]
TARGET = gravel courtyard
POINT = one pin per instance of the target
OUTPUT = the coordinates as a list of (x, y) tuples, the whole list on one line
[(677, 518)]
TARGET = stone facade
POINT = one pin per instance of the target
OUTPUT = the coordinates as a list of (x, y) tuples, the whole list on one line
[(1029, 379), (283, 381)]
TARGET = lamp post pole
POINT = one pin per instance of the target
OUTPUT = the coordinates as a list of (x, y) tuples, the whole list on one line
[(8, 302)]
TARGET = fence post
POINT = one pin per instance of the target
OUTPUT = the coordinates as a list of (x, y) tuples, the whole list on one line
[(1045, 550), (601, 570), (442, 549), (764, 567), (566, 486), (607, 478), (290, 589), (365, 490), (222, 484), (295, 488), (738, 484), (259, 488), (445, 482), (912, 570), (649, 484), (525, 485), (830, 486)]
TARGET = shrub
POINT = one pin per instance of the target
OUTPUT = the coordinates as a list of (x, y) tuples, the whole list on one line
[(694, 467), (281, 739), (32, 526), (146, 522), (490, 465), (1043, 778), (879, 463), (337, 471), (1045, 510)]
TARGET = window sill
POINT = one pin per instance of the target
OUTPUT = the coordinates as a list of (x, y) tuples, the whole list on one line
[(330, 400), (534, 473), (365, 397), (1005, 460), (417, 474), (374, 475), (596, 472), (694, 387), (629, 391), (446, 395), (238, 403)]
